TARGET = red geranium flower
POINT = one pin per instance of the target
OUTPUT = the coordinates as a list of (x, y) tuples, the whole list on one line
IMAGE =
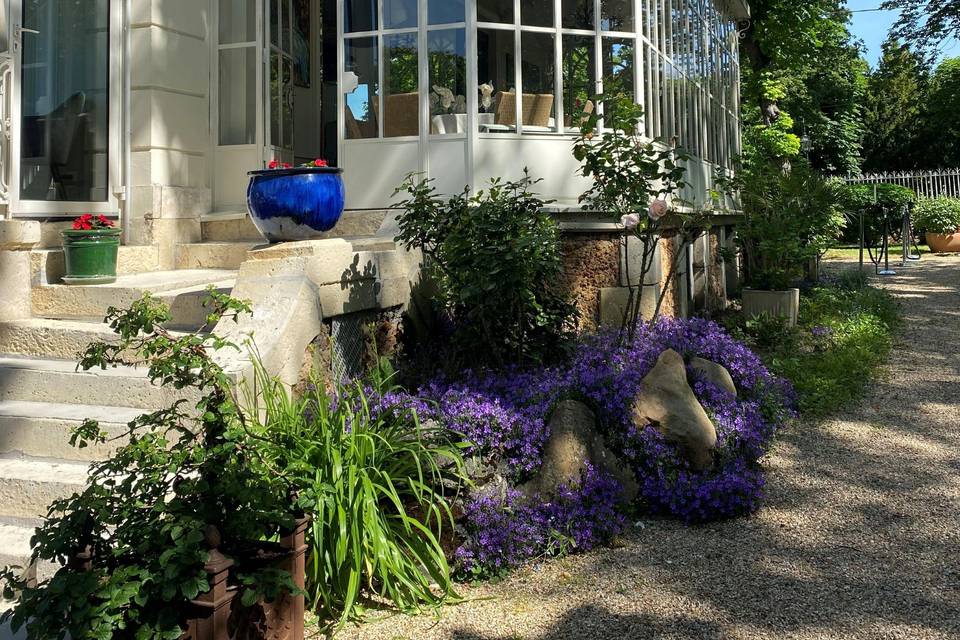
[(273, 164), (87, 222), (320, 162)]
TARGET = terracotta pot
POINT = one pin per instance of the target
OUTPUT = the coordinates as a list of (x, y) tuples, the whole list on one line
[(784, 304), (940, 243)]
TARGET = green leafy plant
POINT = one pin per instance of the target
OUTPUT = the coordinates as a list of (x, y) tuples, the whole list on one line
[(937, 215), (495, 257), (878, 204), (141, 518), (631, 179), (377, 484), (789, 218)]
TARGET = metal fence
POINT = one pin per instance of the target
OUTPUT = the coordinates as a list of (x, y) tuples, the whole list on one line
[(929, 184)]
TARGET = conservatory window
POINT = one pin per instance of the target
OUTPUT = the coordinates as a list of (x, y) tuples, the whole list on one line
[(362, 105), (618, 67), (399, 14), (447, 62), (536, 13), (446, 11), (579, 78), (616, 15), (237, 75), (495, 11), (578, 14), (401, 98), (538, 81), (497, 77), (360, 16)]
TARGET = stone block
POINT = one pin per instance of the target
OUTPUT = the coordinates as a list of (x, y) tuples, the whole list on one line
[(17, 237), (617, 302), (631, 263)]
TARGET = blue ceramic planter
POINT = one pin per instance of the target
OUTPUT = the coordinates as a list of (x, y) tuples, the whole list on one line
[(297, 203)]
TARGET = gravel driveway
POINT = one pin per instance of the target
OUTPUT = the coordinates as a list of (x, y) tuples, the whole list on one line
[(858, 538)]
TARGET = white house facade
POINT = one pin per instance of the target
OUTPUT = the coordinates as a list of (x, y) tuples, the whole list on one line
[(154, 110)]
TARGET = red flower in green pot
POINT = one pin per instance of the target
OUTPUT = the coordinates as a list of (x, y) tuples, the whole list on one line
[(90, 250)]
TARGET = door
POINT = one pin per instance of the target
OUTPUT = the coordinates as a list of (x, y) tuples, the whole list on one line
[(279, 89), (65, 107)]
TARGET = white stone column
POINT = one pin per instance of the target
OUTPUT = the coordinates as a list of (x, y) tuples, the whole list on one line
[(17, 238)]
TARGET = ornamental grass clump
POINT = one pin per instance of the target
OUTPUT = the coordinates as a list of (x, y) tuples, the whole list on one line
[(377, 485)]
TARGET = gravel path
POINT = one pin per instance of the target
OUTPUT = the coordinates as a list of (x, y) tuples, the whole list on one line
[(858, 538)]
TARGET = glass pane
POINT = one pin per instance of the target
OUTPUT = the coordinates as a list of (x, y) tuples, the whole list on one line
[(536, 13), (445, 11), (618, 68), (579, 78), (285, 15), (359, 15), (496, 74), (275, 22), (275, 99), (578, 14), (448, 81), (286, 103), (401, 102), (495, 11), (238, 21), (616, 15), (65, 101), (398, 14), (238, 96), (538, 103), (362, 105)]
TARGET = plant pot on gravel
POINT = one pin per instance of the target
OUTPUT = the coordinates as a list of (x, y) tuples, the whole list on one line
[(90, 250), (940, 219), (944, 243)]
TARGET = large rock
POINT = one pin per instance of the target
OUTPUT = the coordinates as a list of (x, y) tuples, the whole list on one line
[(715, 374), (574, 442), (668, 403)]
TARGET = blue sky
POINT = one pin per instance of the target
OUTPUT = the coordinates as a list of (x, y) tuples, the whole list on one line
[(872, 28)]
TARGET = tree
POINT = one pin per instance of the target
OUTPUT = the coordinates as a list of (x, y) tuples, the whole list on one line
[(895, 97), (800, 58), (942, 115), (926, 24)]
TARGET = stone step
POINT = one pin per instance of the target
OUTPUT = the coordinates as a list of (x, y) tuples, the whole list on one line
[(51, 338), (15, 549), (47, 265), (42, 429), (28, 486), (58, 382), (214, 255), (183, 290)]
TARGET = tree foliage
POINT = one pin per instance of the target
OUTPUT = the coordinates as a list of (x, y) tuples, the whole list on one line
[(926, 24)]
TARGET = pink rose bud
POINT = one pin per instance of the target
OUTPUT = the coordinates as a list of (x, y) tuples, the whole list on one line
[(630, 221), (658, 209)]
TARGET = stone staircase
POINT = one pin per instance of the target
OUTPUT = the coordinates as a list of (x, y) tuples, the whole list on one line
[(43, 397)]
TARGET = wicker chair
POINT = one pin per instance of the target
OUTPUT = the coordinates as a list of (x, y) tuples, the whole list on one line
[(402, 117), (542, 109)]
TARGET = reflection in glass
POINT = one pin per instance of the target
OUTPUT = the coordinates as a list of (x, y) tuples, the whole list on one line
[(65, 101), (579, 78), (618, 68), (538, 79), (360, 113), (496, 74), (275, 22), (577, 14), (536, 13), (447, 64), (401, 101), (238, 96), (359, 15), (238, 21), (275, 97), (445, 11), (616, 15), (399, 14), (495, 11), (286, 102)]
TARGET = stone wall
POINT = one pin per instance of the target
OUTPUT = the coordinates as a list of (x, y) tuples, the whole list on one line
[(591, 263)]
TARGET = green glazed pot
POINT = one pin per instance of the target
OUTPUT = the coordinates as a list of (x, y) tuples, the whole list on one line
[(91, 256)]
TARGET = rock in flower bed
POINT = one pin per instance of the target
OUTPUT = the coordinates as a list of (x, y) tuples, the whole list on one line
[(505, 415)]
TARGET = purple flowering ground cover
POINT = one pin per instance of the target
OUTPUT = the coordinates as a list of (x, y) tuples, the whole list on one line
[(504, 415)]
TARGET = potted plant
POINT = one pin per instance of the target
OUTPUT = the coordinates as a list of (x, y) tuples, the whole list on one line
[(789, 217), (940, 219), (295, 203), (90, 250)]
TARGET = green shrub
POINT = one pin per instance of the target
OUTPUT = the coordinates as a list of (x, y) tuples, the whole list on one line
[(789, 218), (844, 335), (937, 215), (143, 513), (375, 484), (878, 203), (496, 259)]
